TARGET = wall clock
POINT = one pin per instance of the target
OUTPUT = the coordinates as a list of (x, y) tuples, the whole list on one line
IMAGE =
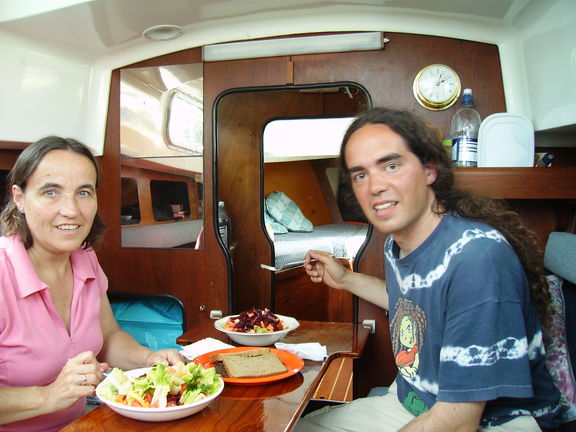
[(436, 87)]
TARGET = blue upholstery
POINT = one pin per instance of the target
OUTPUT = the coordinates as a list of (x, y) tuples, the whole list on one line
[(560, 255), (155, 321), (378, 391)]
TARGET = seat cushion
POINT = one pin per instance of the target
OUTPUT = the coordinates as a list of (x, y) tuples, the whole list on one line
[(378, 391), (155, 321), (557, 353), (560, 255)]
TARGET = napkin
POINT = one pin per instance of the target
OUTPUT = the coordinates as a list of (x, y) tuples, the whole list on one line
[(202, 347), (308, 351)]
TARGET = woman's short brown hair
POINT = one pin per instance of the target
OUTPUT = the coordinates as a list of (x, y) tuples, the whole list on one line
[(12, 221)]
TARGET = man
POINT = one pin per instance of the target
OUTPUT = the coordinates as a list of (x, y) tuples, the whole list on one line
[(464, 312)]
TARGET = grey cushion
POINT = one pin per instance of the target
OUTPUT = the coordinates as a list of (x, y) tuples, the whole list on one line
[(560, 255), (278, 228), (286, 212)]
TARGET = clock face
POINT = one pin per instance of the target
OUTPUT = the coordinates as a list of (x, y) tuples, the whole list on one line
[(436, 87)]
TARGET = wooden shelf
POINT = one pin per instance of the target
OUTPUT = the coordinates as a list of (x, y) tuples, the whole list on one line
[(519, 183)]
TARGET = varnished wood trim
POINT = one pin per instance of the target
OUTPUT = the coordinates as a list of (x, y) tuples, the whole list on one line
[(519, 183)]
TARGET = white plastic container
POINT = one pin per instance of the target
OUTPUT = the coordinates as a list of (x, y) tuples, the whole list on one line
[(506, 140)]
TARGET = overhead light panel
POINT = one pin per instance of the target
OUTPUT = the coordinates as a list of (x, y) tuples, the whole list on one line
[(294, 45)]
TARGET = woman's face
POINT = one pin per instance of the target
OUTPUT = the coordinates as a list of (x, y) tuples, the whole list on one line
[(59, 202)]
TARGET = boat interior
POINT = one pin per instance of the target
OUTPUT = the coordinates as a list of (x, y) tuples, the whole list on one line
[(180, 100)]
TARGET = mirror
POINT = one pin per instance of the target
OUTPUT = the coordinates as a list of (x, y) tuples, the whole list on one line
[(161, 130)]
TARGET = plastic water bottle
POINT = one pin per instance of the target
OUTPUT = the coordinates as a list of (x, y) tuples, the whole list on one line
[(224, 225), (465, 126)]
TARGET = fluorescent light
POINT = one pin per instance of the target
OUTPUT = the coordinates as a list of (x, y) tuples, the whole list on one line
[(293, 46)]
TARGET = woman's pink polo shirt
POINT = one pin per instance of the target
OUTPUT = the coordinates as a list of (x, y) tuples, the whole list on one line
[(34, 342)]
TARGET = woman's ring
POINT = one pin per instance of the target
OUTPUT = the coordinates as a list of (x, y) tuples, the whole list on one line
[(84, 380)]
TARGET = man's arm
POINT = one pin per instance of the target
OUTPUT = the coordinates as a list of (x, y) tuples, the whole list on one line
[(325, 268), (448, 416)]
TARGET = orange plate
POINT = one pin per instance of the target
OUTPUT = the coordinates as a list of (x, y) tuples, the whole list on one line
[(293, 363)]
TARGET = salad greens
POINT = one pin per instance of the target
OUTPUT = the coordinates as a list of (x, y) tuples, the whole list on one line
[(162, 386)]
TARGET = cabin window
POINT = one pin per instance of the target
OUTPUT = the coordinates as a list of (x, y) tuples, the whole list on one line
[(169, 200), (300, 139), (184, 122), (130, 203)]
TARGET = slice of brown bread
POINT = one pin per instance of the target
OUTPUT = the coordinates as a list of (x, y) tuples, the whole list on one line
[(262, 365), (248, 353)]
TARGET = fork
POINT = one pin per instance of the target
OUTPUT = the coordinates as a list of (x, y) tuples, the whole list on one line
[(289, 265)]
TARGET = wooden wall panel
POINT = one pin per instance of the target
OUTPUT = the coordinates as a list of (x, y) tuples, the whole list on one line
[(388, 75)]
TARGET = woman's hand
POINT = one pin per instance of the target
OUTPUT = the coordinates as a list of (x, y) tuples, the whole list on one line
[(167, 356), (78, 378)]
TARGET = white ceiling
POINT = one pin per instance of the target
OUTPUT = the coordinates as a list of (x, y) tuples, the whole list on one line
[(96, 26)]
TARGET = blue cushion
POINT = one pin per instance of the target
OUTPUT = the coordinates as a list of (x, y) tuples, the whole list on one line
[(278, 228), (286, 212), (560, 255), (378, 391), (154, 321)]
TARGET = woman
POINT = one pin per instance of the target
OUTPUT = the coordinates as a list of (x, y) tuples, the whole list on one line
[(57, 330)]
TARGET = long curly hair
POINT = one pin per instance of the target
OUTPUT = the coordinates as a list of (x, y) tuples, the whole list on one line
[(12, 221), (424, 143)]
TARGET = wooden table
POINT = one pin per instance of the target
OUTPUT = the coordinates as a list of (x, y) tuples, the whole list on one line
[(271, 407)]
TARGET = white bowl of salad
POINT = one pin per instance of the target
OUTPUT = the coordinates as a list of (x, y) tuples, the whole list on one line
[(160, 393), (256, 327)]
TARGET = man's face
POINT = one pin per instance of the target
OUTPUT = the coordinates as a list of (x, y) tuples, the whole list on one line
[(390, 183)]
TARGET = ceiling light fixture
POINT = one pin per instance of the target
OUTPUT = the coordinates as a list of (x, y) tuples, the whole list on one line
[(294, 45), (164, 32)]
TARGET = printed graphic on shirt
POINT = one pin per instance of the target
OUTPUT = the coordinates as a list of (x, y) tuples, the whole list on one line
[(414, 404), (408, 327)]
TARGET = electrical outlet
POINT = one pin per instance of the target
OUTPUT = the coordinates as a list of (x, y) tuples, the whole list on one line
[(371, 324), (215, 314)]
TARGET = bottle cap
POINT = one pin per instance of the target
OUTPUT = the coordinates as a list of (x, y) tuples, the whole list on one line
[(467, 98)]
